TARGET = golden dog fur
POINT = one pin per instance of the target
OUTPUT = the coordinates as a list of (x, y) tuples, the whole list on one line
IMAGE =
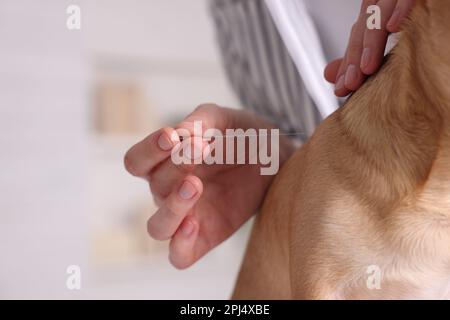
[(371, 187)]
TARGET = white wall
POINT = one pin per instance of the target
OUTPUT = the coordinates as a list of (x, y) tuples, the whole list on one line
[(169, 44), (43, 139), (47, 162)]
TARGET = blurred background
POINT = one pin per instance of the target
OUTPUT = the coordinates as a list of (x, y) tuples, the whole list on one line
[(71, 103)]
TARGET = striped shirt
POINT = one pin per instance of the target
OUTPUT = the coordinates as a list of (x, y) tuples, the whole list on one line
[(260, 67)]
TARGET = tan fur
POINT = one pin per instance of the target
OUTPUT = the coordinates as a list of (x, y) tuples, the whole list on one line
[(371, 187)]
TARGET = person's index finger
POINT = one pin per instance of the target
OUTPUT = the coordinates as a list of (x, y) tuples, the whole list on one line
[(203, 117), (147, 154), (401, 11), (375, 40), (211, 116)]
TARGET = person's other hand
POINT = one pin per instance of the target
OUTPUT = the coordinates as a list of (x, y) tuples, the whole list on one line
[(199, 205), (365, 50)]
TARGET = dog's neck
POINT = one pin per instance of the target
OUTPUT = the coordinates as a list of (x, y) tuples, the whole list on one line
[(400, 119)]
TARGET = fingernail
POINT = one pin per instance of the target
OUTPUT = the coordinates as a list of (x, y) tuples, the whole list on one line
[(340, 83), (365, 59), (188, 228), (350, 76), (394, 20), (164, 142), (187, 191)]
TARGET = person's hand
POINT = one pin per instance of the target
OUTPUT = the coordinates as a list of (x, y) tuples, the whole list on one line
[(199, 205), (365, 50)]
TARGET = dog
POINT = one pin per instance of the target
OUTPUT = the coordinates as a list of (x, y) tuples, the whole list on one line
[(362, 210)]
